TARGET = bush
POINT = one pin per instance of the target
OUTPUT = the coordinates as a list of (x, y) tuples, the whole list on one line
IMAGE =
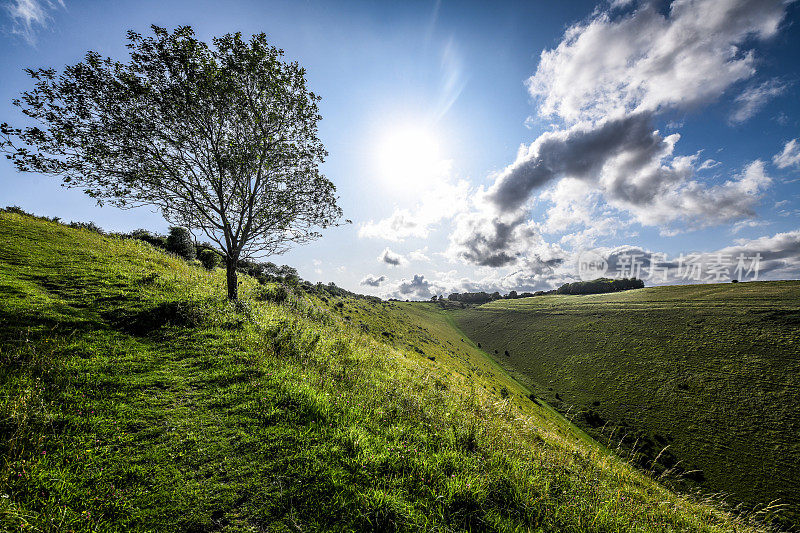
[(89, 226), (179, 242), (272, 293), (17, 210), (159, 241), (209, 258)]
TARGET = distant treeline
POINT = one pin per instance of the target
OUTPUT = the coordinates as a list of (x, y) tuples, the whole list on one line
[(483, 297), (600, 285), (474, 297), (597, 286)]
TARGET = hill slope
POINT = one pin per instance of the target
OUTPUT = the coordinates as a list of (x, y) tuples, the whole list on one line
[(712, 371), (135, 398)]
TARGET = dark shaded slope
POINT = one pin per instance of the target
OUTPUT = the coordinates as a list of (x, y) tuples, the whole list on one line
[(712, 371)]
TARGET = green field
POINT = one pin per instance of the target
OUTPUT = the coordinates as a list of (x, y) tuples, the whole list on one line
[(135, 397), (711, 371)]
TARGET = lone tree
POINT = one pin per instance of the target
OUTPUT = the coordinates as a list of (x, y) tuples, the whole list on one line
[(222, 139)]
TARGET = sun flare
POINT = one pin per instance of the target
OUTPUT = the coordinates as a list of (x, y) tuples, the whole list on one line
[(409, 157)]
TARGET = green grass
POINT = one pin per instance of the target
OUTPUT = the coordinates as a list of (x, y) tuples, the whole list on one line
[(712, 371), (134, 397)]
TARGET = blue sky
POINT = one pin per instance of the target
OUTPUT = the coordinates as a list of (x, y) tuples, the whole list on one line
[(482, 146)]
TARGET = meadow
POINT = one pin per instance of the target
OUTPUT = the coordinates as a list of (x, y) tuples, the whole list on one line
[(135, 397), (707, 377)]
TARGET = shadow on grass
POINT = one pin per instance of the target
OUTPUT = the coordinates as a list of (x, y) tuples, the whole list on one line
[(142, 322), (34, 324)]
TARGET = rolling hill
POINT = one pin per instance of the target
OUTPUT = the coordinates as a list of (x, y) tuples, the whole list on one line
[(709, 372), (135, 397)]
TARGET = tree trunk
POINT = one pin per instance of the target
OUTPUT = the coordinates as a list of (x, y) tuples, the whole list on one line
[(233, 283)]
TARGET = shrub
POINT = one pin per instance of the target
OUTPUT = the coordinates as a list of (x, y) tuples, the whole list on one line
[(159, 241), (179, 242), (272, 293), (17, 210), (209, 258), (89, 226)]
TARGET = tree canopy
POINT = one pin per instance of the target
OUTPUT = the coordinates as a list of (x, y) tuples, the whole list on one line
[(222, 139)]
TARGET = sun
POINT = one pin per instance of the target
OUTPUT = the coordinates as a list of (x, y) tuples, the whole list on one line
[(409, 157)]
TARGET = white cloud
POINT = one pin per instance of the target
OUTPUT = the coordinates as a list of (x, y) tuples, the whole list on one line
[(581, 152), (442, 199), (527, 276), (619, 4), (526, 281), (780, 254), (623, 162), (635, 169), (417, 288), (775, 257), (390, 258), (492, 240), (790, 156), (647, 61), (573, 204), (668, 194), (502, 240), (419, 255), (452, 81), (29, 16), (754, 98), (373, 281), (739, 226), (707, 164), (401, 225), (578, 213), (607, 81)]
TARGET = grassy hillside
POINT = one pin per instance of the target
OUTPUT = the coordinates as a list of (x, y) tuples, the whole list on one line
[(136, 398), (711, 371)]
